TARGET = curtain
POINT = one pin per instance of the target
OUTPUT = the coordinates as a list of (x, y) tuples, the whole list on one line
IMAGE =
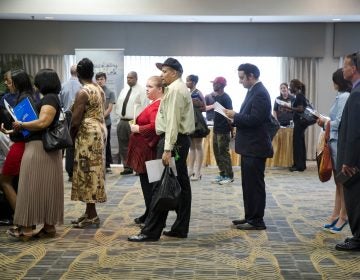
[(306, 70), (32, 63)]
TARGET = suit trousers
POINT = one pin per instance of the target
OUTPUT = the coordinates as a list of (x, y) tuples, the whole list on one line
[(123, 133), (108, 147), (147, 190), (156, 220), (253, 186), (351, 195), (299, 149)]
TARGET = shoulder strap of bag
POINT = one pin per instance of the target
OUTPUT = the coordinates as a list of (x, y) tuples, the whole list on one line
[(327, 131)]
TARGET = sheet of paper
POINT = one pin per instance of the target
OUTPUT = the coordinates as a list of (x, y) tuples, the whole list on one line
[(283, 103), (155, 169), (220, 109), (10, 110)]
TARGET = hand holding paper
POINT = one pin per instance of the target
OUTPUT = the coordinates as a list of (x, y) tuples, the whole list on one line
[(221, 110)]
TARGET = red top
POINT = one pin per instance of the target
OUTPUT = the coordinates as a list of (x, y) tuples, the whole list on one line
[(142, 145)]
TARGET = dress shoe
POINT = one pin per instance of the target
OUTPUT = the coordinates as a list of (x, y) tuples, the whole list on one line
[(248, 226), (295, 169), (5, 222), (141, 238), (328, 226), (336, 229), (126, 171), (239, 222), (348, 246), (174, 234), (139, 220)]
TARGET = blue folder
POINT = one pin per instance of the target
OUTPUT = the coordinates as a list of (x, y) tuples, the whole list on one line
[(24, 112)]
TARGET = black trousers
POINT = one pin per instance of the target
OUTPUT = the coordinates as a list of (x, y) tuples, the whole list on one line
[(253, 186), (147, 190), (351, 195), (108, 147), (299, 149), (156, 220)]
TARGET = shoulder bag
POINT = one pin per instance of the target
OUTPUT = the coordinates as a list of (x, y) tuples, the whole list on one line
[(323, 159), (57, 136)]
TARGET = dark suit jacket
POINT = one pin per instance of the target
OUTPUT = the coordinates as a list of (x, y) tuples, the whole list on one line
[(349, 132), (252, 137)]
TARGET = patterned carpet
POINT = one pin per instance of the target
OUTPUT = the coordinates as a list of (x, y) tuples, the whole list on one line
[(293, 247)]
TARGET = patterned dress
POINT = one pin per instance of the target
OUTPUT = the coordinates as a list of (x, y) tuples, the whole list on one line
[(89, 162)]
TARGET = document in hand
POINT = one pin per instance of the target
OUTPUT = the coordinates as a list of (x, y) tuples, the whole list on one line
[(155, 168), (25, 112), (220, 109), (283, 103)]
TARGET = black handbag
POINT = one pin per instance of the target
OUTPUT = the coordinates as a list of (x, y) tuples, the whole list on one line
[(57, 136), (201, 128), (306, 117), (272, 127), (167, 191)]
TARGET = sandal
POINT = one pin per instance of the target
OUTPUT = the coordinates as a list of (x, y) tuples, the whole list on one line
[(18, 233), (88, 222), (43, 233), (80, 219)]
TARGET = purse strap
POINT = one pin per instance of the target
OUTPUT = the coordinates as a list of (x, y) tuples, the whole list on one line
[(327, 131)]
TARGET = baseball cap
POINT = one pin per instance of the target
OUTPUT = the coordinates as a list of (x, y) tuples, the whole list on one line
[(219, 80), (172, 63)]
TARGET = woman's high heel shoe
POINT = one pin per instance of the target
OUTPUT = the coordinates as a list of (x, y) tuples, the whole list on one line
[(328, 226), (78, 220), (88, 222), (336, 229), (195, 178)]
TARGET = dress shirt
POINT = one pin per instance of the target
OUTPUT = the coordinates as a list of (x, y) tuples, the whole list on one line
[(68, 92), (137, 102), (176, 113)]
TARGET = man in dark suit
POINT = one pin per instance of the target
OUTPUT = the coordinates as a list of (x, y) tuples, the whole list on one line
[(348, 156), (253, 143)]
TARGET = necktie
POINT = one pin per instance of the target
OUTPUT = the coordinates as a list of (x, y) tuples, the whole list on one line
[(126, 100)]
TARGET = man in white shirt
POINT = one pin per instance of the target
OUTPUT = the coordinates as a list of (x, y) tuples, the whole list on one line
[(131, 101)]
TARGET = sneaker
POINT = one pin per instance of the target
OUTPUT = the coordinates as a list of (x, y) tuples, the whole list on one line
[(226, 180), (217, 179)]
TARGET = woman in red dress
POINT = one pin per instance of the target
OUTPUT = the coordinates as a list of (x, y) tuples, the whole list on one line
[(143, 140)]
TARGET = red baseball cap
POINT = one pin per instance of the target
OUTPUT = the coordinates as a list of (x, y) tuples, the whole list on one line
[(219, 80)]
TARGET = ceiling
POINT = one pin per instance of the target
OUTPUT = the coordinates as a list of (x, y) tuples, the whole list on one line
[(182, 10)]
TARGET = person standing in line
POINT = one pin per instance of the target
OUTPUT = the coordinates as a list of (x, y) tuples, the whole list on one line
[(299, 147), (130, 103), (67, 97), (109, 102), (174, 122), (88, 131), (196, 153), (209, 102), (253, 143), (338, 218), (223, 131), (348, 157), (143, 141)]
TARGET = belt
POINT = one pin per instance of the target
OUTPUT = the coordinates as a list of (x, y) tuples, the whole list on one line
[(126, 120)]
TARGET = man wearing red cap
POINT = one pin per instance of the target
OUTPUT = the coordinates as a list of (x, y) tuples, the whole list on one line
[(222, 134), (174, 122)]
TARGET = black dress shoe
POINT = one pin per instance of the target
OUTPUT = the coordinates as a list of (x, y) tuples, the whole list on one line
[(141, 238), (5, 222), (126, 171), (295, 169), (248, 226), (239, 222), (174, 234), (139, 220), (348, 246)]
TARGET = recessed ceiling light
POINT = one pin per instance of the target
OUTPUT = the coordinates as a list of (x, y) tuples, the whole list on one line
[(49, 18), (336, 19)]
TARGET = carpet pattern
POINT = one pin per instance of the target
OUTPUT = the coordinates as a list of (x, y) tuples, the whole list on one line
[(294, 246)]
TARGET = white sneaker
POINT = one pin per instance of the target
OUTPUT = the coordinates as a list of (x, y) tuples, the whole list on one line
[(217, 179), (226, 180)]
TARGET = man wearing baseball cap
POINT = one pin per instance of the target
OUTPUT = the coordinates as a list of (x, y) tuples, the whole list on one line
[(174, 122), (222, 134)]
